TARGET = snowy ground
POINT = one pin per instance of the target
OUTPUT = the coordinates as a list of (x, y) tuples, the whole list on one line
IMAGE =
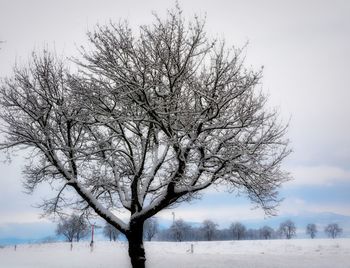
[(298, 253)]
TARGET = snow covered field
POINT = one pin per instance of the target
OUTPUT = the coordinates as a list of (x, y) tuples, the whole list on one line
[(298, 253)]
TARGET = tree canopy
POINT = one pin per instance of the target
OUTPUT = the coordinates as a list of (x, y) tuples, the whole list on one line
[(145, 121)]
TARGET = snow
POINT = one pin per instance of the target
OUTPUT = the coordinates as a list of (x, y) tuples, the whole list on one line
[(300, 253)]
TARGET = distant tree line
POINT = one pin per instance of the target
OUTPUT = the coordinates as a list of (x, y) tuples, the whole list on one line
[(76, 228), (208, 230)]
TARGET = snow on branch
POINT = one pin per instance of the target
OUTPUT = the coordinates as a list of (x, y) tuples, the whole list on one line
[(147, 121)]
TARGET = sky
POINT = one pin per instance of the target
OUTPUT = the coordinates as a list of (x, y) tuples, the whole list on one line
[(304, 48)]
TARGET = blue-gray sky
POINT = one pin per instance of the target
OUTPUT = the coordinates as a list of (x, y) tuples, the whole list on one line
[(304, 47)]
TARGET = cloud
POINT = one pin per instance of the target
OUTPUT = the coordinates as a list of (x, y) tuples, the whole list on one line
[(20, 216), (318, 175), (17, 206), (296, 206)]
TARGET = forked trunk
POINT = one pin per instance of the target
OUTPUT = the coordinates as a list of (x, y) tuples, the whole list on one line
[(136, 249)]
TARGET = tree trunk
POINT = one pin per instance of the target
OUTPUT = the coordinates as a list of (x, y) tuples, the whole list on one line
[(136, 249)]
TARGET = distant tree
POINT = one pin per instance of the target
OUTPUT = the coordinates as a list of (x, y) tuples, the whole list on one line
[(223, 234), (238, 230), (195, 234), (266, 232), (150, 228), (49, 240), (82, 228), (209, 229), (311, 230), (251, 234), (179, 229), (333, 230), (65, 229), (111, 232), (287, 229), (73, 227)]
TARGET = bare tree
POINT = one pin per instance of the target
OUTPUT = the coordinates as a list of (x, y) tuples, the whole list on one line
[(237, 230), (179, 228), (209, 229), (150, 228), (266, 232), (148, 121), (311, 230), (73, 227), (250, 234), (66, 230), (287, 229), (111, 232), (333, 230)]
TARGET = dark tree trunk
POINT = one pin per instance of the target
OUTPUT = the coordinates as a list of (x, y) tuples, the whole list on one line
[(136, 249)]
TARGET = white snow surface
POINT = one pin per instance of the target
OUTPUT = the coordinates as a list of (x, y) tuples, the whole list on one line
[(298, 253)]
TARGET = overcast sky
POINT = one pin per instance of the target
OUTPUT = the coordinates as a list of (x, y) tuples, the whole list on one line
[(303, 46)]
